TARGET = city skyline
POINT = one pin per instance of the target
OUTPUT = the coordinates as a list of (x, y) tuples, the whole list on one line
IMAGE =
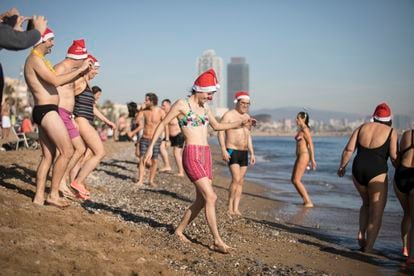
[(344, 56), (237, 78)]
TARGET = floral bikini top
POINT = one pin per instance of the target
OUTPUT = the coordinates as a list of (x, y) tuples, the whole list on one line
[(193, 120)]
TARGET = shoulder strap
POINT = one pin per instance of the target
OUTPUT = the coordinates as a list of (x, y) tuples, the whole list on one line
[(188, 102)]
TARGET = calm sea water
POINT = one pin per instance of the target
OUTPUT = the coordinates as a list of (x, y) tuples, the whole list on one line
[(336, 200)]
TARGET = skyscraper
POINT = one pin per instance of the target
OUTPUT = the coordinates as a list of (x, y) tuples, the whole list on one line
[(208, 60), (237, 78)]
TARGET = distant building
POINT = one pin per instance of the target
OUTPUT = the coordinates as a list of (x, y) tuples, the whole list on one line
[(237, 78), (208, 60)]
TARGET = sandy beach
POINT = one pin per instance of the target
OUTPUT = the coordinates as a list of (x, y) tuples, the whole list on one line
[(125, 230)]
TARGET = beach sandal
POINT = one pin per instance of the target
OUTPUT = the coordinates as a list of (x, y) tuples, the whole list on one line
[(82, 196), (405, 251), (79, 188)]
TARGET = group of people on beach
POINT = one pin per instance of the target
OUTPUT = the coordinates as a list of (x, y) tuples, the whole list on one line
[(64, 99)]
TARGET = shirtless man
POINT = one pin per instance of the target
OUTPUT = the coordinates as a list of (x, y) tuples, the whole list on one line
[(75, 56), (236, 144), (175, 139), (42, 81), (148, 120)]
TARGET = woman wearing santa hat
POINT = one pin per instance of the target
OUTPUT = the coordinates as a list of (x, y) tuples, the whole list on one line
[(194, 116), (375, 141)]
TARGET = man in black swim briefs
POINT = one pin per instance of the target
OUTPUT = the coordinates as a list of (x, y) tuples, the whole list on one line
[(236, 144)]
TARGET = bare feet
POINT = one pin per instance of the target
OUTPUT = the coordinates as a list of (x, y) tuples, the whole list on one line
[(222, 248), (165, 169), (39, 201), (139, 184), (153, 184), (308, 204), (230, 214), (181, 237), (59, 202), (179, 174), (237, 213)]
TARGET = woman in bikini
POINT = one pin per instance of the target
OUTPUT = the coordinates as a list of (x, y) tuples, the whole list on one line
[(403, 187), (85, 112), (194, 116), (375, 142), (304, 154)]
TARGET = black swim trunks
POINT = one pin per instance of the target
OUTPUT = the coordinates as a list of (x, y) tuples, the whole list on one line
[(240, 157), (177, 140), (39, 111)]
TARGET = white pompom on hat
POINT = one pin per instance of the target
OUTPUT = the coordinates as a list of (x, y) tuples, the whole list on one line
[(48, 34), (241, 95), (77, 50), (206, 82), (382, 113), (94, 60)]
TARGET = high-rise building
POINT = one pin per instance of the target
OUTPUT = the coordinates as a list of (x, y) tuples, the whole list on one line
[(208, 60), (237, 78)]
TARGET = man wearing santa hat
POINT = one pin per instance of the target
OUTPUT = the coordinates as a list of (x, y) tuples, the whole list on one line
[(42, 81), (75, 56), (236, 145)]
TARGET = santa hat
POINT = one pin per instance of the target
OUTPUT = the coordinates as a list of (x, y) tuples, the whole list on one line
[(382, 113), (48, 34), (241, 95), (94, 60), (206, 82), (77, 50)]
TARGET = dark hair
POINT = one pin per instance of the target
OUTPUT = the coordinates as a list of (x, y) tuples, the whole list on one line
[(96, 89), (388, 123), (305, 116), (152, 97), (166, 100), (132, 109)]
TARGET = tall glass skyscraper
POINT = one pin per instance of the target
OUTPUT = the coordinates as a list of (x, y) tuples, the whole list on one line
[(208, 60), (237, 78)]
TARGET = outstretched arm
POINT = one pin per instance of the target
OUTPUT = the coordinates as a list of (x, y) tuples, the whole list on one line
[(223, 126), (102, 117), (347, 152)]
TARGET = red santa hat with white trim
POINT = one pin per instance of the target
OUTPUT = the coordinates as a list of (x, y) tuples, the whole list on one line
[(48, 34), (382, 113), (77, 50), (241, 95), (206, 82), (94, 60)]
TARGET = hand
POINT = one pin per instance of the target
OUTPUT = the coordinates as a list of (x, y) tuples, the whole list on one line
[(148, 155), (253, 121), (252, 160), (313, 165), (341, 171), (40, 23), (86, 65), (226, 156), (19, 23), (111, 125), (167, 143)]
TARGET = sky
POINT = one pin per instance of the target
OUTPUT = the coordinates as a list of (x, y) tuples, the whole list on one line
[(335, 55)]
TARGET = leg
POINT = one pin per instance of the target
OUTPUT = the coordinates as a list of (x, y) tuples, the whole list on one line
[(189, 215), (165, 159), (298, 171), (239, 189), (153, 172), (93, 142), (363, 213), (411, 232), (52, 124), (235, 177), (377, 193), (406, 221), (178, 155), (80, 149)]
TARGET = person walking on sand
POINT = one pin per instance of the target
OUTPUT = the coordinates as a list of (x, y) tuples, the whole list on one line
[(42, 81), (76, 54), (5, 119), (304, 153), (176, 139), (375, 142), (194, 116), (236, 145), (85, 111), (148, 120), (403, 187)]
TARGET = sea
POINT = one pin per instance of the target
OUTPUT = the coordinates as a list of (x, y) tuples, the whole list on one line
[(337, 202)]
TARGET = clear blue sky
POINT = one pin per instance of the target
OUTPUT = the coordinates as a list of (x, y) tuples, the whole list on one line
[(322, 54)]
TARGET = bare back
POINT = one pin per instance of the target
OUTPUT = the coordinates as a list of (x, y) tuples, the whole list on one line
[(152, 118), (373, 135), (236, 138), (406, 142), (43, 92)]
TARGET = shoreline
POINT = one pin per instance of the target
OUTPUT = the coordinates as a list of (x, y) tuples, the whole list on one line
[(139, 224)]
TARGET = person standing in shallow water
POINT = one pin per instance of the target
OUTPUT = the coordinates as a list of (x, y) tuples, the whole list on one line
[(194, 116), (236, 145), (375, 142), (304, 154)]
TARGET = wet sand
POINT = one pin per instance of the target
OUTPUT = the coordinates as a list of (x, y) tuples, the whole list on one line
[(128, 230)]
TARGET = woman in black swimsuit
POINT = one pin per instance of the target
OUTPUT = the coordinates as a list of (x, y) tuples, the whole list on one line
[(403, 186), (375, 142)]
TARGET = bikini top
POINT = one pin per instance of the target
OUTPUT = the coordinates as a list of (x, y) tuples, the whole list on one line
[(298, 137), (382, 151), (193, 120), (410, 147)]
